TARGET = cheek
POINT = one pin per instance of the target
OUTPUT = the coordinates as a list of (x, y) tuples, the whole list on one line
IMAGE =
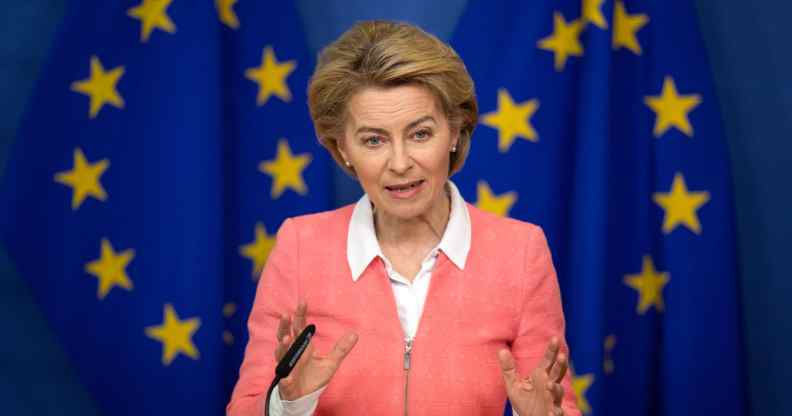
[(436, 162), (368, 169)]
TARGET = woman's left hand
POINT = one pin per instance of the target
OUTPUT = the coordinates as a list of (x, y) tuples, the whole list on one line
[(539, 394)]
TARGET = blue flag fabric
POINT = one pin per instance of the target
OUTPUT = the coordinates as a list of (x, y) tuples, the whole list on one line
[(599, 123), (168, 140), (163, 147)]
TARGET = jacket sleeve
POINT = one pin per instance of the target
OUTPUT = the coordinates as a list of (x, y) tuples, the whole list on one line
[(277, 293), (542, 316)]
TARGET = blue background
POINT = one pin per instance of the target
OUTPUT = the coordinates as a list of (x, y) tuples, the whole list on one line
[(748, 51)]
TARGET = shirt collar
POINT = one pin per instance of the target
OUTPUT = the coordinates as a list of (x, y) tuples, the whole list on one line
[(363, 247)]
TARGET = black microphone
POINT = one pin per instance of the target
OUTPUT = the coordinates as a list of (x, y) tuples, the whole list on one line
[(289, 360)]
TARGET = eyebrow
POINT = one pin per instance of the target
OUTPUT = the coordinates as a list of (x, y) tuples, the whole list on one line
[(412, 125)]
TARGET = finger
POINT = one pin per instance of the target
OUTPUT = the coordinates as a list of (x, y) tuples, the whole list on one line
[(550, 354), (284, 325), (508, 367), (299, 318), (559, 368), (556, 412), (342, 348), (556, 392), (282, 347)]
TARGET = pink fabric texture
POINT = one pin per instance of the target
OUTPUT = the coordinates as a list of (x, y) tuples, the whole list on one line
[(507, 296)]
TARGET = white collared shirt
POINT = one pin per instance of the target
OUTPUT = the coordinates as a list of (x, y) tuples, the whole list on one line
[(362, 248)]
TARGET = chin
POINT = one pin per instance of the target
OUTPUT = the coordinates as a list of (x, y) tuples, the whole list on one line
[(404, 209)]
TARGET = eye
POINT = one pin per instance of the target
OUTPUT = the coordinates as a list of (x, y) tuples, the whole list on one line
[(372, 141), (423, 134)]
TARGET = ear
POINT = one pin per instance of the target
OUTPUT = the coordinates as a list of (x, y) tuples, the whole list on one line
[(455, 138), (339, 142)]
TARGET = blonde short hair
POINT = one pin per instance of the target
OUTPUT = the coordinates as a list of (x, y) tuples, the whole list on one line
[(386, 54)]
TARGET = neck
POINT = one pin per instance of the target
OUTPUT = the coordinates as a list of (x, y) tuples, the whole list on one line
[(423, 230)]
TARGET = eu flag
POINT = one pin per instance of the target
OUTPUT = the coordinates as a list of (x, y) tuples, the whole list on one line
[(167, 141), (164, 145), (599, 123)]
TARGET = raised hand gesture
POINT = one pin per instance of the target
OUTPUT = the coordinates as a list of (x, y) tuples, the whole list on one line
[(312, 371), (540, 393)]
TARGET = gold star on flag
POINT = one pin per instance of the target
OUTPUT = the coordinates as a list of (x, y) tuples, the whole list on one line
[(580, 384), (565, 40), (100, 87), (607, 364), (271, 77), (175, 335), (226, 14), (153, 14), (110, 269), (672, 109), (84, 179), (286, 170), (512, 120), (496, 204), (680, 206), (649, 284), (592, 12), (625, 28), (229, 309), (258, 250)]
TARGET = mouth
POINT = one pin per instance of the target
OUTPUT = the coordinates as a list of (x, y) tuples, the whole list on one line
[(405, 186), (406, 189)]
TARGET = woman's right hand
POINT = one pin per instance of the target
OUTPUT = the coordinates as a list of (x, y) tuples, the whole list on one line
[(312, 372)]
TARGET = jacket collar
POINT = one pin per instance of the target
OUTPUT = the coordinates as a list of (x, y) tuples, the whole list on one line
[(363, 247)]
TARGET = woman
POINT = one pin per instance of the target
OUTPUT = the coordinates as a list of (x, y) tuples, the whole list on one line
[(396, 109)]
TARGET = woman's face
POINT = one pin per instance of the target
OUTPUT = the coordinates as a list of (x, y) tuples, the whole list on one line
[(399, 141)]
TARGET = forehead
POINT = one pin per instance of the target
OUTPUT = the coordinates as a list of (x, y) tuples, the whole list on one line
[(391, 107)]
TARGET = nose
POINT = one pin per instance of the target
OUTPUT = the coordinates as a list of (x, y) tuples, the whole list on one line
[(400, 161)]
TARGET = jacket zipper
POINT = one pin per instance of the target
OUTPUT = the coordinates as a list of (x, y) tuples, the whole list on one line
[(408, 345)]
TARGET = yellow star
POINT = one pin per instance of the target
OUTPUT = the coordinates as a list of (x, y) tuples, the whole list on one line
[(110, 269), (226, 14), (625, 27), (649, 284), (271, 77), (672, 109), (512, 120), (680, 206), (153, 14), (258, 250), (101, 87), (229, 309), (228, 337), (565, 40), (580, 384), (496, 204), (175, 335), (286, 170), (84, 179), (592, 12), (607, 364)]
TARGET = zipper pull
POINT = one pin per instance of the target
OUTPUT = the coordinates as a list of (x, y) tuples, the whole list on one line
[(408, 344)]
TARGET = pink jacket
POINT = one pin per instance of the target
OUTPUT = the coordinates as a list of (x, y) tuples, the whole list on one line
[(507, 295)]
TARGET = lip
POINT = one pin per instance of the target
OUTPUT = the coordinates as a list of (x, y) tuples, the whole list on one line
[(406, 193), (403, 184)]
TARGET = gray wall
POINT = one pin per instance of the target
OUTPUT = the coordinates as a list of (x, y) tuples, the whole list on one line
[(748, 49)]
